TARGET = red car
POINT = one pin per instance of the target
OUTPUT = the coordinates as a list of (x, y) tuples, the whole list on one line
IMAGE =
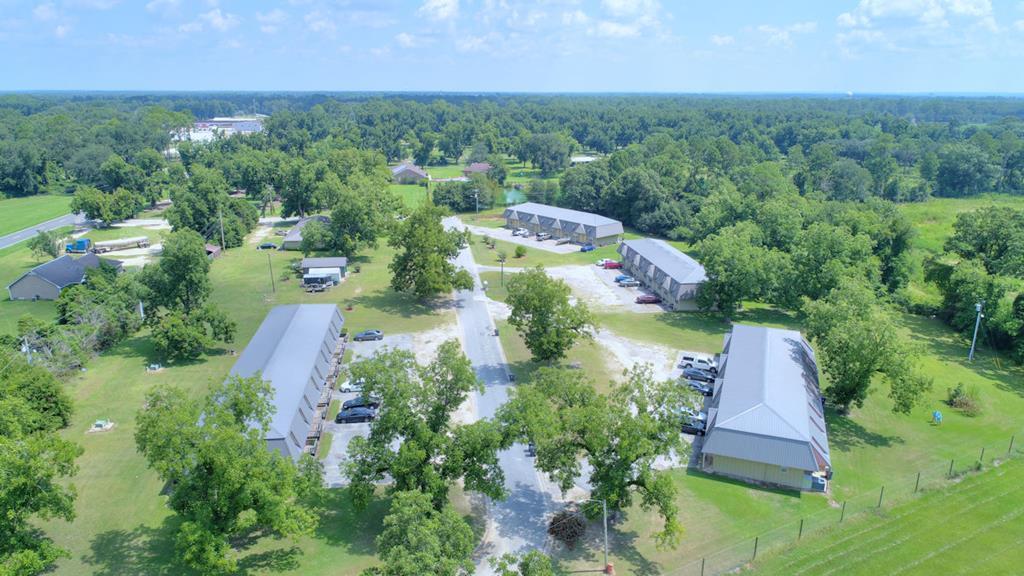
[(611, 264), (648, 299)]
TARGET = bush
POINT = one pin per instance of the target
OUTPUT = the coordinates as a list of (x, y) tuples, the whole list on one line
[(568, 526), (520, 251), (965, 399)]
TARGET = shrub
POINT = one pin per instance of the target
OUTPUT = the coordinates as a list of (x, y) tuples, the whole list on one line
[(520, 251), (965, 399), (568, 526)]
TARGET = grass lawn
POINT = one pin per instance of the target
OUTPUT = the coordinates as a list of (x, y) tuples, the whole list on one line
[(116, 233), (412, 194), (122, 524), (21, 213), (984, 538), (15, 261)]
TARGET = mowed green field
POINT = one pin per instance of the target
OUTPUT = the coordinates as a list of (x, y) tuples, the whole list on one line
[(122, 524), (973, 527), (20, 213)]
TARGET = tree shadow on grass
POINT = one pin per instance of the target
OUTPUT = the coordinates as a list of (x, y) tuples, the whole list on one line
[(590, 550), (845, 434), (950, 346), (142, 550), (398, 304), (354, 530), (789, 492)]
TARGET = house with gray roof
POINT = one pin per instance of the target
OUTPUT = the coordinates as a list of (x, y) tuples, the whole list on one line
[(579, 227), (296, 350), (46, 281), (407, 173), (477, 168), (293, 240), (339, 262), (766, 422), (671, 274)]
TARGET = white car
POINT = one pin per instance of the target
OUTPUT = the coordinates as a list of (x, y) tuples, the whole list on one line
[(521, 232), (350, 386), (602, 262)]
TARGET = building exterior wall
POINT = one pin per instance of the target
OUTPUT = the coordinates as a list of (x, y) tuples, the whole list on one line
[(407, 177), (757, 471), (32, 287), (575, 237)]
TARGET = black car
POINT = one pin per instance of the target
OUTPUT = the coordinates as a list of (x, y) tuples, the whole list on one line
[(361, 402), (693, 426), (698, 374), (267, 246), (368, 335), (702, 387), (355, 415)]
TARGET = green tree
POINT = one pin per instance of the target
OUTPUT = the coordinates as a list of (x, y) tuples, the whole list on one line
[(414, 440), (365, 212), (315, 236), (856, 339), (420, 539), (532, 563), (421, 156), (542, 314), (180, 336), (549, 152), (180, 280), (499, 170), (618, 435), (423, 265), (45, 243), (226, 482), (738, 268), (964, 170)]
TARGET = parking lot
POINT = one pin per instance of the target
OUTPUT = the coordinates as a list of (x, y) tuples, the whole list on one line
[(342, 435), (530, 242), (627, 296)]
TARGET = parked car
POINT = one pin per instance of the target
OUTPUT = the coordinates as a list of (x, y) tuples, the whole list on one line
[(541, 236), (600, 263), (612, 265), (622, 277), (521, 232), (693, 426), (698, 374), (690, 413), (629, 283), (587, 248), (361, 402), (563, 240), (267, 246), (355, 415), (699, 362), (702, 387), (352, 385), (368, 335), (648, 299)]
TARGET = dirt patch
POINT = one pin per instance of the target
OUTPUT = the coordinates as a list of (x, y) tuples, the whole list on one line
[(630, 353), (426, 343), (259, 234)]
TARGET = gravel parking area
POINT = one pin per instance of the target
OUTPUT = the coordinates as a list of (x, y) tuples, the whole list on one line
[(530, 242)]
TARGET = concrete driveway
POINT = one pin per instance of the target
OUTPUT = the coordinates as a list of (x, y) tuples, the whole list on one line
[(342, 435)]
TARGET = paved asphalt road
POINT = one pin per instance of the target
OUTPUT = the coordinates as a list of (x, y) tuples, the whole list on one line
[(65, 220), (517, 523)]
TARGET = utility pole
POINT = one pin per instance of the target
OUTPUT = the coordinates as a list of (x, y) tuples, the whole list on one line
[(977, 324), (273, 287), (476, 196), (220, 216)]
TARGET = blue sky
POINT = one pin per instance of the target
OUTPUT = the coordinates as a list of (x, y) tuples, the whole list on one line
[(514, 45)]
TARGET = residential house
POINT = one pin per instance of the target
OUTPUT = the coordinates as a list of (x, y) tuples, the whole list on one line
[(406, 173), (476, 168), (46, 281), (579, 227), (293, 240)]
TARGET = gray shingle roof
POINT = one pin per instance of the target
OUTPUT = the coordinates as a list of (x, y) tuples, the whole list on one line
[(477, 167), (295, 234), (605, 226), (410, 167), (67, 270), (291, 350), (677, 265), (768, 408)]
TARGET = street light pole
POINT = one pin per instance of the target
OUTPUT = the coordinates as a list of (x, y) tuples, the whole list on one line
[(977, 324)]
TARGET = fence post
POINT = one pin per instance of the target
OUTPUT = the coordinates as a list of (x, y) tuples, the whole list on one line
[(950, 468), (880, 494), (702, 566), (982, 457), (801, 533), (1010, 449), (918, 483), (843, 513), (755, 548)]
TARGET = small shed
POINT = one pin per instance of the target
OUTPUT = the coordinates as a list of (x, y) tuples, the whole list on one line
[(293, 240), (212, 251), (322, 276)]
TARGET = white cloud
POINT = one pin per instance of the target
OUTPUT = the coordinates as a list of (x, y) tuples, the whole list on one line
[(61, 30), (930, 13), (319, 21), (271, 21), (163, 5), (93, 4), (406, 40), (222, 21), (723, 40), (45, 12), (574, 17), (784, 34), (631, 8), (903, 25), (615, 30), (440, 9), (1019, 25), (190, 27)]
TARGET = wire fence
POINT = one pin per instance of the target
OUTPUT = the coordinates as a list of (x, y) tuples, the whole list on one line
[(896, 491)]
